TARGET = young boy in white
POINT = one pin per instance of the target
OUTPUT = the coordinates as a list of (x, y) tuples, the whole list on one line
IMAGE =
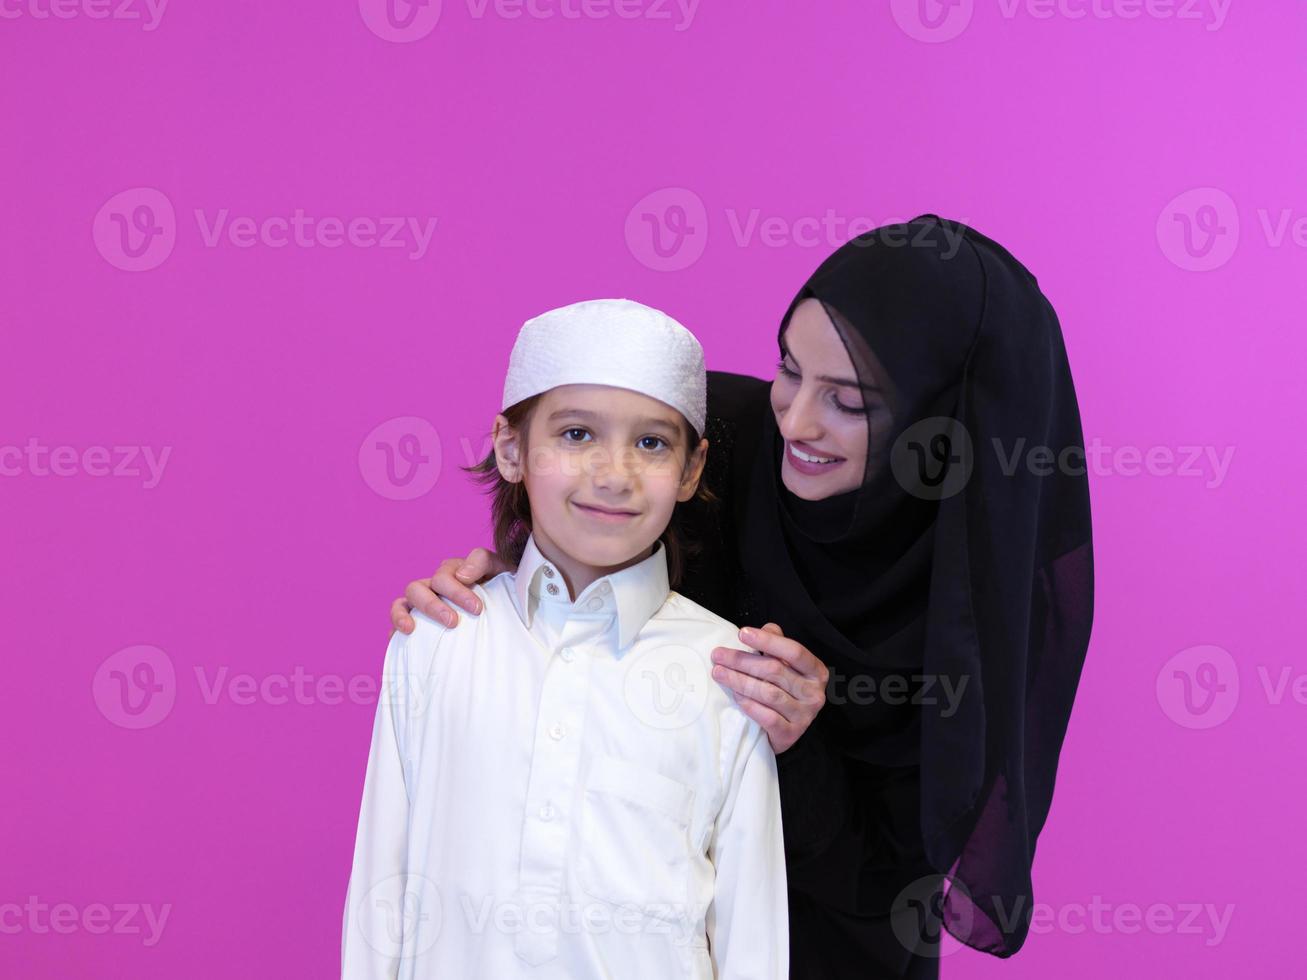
[(557, 789)]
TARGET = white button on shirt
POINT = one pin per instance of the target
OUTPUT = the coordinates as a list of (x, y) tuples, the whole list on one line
[(559, 790)]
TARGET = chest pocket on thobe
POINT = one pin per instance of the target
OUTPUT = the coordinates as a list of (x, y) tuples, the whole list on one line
[(634, 838)]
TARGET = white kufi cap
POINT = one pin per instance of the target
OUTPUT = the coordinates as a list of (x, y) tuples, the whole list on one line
[(614, 342)]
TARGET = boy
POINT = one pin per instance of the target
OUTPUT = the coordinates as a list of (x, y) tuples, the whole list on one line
[(556, 787)]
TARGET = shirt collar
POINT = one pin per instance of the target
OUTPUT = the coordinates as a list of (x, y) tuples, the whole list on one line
[(634, 594)]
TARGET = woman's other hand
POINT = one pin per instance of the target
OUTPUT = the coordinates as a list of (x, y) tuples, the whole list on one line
[(452, 582)]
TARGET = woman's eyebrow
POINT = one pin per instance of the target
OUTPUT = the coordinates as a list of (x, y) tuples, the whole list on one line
[(842, 382), (588, 416)]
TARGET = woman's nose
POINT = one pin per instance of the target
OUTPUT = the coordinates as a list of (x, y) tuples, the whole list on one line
[(799, 421)]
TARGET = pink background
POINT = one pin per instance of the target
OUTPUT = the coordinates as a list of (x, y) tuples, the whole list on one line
[(276, 537)]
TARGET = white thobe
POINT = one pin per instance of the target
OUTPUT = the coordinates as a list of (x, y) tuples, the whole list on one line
[(559, 790)]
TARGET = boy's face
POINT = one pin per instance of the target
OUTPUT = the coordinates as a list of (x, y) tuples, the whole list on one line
[(604, 469)]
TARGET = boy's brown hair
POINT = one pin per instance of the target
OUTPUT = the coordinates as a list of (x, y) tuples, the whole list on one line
[(510, 509)]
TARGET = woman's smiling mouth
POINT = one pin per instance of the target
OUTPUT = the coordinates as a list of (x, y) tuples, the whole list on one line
[(806, 461)]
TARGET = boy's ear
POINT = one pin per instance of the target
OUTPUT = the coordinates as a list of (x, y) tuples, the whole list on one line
[(508, 450), (690, 482)]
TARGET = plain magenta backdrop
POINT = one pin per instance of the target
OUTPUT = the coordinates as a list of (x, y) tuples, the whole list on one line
[(549, 148)]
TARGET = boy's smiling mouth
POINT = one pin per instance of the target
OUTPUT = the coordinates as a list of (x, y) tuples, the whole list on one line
[(603, 513)]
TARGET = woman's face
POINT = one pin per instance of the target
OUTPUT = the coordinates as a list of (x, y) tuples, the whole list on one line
[(821, 409)]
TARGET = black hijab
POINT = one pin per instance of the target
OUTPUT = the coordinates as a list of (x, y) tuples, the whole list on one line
[(966, 576)]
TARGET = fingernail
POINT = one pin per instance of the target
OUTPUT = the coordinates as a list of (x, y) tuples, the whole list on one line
[(747, 633)]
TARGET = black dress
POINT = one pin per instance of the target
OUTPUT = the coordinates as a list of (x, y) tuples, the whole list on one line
[(852, 830), (947, 567)]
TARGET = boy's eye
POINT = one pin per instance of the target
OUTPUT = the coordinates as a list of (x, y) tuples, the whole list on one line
[(580, 433)]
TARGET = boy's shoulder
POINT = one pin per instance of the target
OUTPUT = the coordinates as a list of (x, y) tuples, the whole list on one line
[(699, 629), (425, 636), (681, 613)]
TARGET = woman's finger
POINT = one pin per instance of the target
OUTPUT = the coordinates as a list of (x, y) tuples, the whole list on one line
[(421, 597), (770, 640), (481, 565), (399, 617), (768, 670), (447, 585), (780, 732), (762, 691)]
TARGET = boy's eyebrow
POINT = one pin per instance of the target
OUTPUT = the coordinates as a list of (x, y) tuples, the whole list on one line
[(581, 413)]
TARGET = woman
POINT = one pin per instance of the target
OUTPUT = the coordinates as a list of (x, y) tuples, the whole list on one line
[(889, 503)]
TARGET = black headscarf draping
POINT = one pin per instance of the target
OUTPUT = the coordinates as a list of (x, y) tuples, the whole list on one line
[(973, 576)]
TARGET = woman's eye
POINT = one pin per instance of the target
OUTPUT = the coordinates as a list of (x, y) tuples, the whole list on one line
[(785, 370), (567, 432), (660, 441)]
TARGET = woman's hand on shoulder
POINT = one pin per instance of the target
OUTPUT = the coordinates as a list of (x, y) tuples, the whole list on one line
[(451, 585), (782, 687)]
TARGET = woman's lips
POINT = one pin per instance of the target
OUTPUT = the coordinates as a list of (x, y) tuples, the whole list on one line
[(806, 467), (608, 517)]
